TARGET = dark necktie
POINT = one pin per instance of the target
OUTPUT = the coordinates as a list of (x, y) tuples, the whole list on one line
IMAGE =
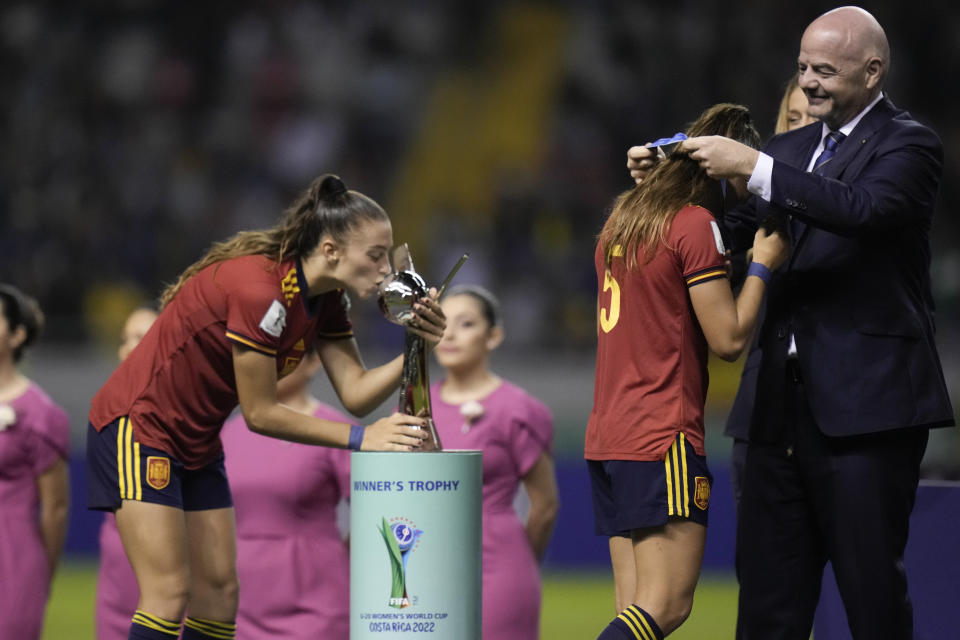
[(830, 144)]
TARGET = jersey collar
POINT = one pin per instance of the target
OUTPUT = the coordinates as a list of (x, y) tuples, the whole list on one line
[(310, 304)]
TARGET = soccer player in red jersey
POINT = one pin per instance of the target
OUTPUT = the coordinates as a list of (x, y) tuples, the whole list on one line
[(233, 323), (663, 299)]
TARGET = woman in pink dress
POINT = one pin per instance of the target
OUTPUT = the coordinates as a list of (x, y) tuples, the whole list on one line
[(34, 484), (292, 560), (117, 591), (476, 409)]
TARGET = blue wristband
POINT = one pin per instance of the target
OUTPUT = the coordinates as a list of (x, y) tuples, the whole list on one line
[(761, 271), (356, 437)]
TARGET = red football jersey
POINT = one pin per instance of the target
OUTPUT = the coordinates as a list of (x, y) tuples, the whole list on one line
[(178, 384), (651, 376)]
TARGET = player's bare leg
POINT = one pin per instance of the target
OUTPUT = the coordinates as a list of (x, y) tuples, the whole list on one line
[(155, 540), (668, 561), (624, 572), (214, 587), (666, 567)]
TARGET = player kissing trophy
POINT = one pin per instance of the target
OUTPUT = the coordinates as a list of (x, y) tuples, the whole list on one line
[(397, 294)]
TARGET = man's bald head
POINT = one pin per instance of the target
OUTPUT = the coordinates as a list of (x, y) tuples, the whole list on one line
[(856, 32), (844, 57)]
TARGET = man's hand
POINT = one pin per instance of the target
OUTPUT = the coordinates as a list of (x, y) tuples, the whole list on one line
[(640, 162), (721, 157)]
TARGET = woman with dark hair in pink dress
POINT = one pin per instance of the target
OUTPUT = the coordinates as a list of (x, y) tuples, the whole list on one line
[(473, 408), (34, 484)]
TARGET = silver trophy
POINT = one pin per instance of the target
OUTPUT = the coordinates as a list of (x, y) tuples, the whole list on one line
[(398, 293)]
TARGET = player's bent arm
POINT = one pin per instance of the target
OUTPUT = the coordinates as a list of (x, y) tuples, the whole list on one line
[(727, 323), (53, 489), (540, 484), (360, 390), (256, 379)]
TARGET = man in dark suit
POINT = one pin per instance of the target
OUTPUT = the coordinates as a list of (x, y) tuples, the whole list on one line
[(849, 380)]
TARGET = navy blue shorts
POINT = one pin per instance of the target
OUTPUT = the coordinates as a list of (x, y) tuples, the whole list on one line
[(630, 495), (120, 468)]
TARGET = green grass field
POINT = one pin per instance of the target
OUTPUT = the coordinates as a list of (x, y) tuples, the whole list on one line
[(576, 605)]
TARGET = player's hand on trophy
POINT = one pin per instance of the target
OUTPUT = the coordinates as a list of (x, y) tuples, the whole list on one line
[(398, 432), (429, 320), (640, 162)]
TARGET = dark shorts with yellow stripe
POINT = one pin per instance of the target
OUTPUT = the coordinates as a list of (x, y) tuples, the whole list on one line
[(630, 494), (120, 468)]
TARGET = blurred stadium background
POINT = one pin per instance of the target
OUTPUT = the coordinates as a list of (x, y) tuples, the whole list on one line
[(135, 132)]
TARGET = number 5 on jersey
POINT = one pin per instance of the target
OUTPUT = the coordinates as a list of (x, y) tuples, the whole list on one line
[(609, 316)]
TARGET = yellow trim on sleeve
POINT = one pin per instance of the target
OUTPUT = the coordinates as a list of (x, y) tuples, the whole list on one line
[(703, 276), (250, 343)]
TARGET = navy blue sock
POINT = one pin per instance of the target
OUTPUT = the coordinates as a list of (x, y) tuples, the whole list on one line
[(633, 623), (145, 626), (202, 629)]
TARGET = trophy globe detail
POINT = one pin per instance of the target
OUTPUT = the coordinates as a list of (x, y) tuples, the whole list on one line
[(398, 292)]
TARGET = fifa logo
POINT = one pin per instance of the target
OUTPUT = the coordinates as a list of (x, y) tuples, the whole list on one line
[(401, 536)]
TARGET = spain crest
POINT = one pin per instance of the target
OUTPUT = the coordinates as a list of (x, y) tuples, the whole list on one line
[(158, 472), (701, 493)]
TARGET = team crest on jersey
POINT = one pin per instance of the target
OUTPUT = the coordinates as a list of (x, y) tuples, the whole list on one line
[(701, 492), (290, 286), (158, 472), (275, 319)]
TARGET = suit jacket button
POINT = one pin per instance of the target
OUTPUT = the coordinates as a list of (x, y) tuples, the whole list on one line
[(781, 332)]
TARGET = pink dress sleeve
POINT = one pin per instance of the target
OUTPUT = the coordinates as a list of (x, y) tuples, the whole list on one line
[(339, 458), (48, 438), (532, 433)]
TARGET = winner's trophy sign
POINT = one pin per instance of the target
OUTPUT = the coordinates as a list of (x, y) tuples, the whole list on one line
[(398, 293)]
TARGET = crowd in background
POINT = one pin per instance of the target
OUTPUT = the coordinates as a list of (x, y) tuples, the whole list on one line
[(136, 132)]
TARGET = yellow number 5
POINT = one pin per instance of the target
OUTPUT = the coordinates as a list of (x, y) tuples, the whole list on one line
[(609, 318)]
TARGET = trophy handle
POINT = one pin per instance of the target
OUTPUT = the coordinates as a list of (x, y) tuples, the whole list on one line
[(415, 387), (453, 272)]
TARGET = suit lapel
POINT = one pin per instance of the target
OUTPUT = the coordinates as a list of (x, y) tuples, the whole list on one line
[(801, 161), (846, 152)]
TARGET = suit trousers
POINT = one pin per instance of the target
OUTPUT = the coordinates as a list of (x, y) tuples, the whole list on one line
[(812, 498)]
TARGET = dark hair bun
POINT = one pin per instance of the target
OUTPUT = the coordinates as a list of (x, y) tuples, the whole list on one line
[(331, 187)]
